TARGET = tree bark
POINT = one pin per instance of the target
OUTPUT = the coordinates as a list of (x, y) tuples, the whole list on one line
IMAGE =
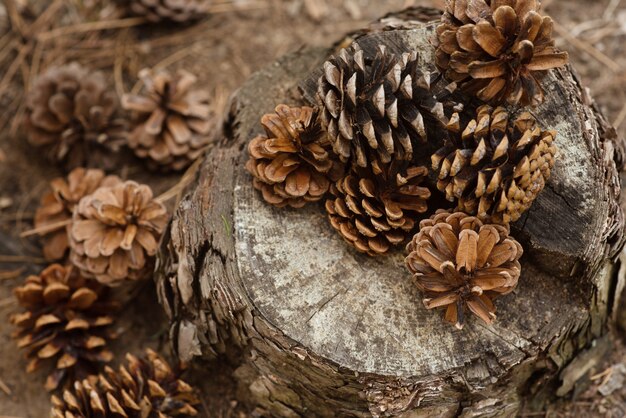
[(325, 331)]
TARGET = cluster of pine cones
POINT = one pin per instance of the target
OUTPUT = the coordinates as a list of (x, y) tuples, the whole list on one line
[(99, 231), (76, 119), (68, 311), (387, 138)]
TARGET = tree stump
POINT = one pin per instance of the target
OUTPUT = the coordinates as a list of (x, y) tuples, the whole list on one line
[(325, 331)]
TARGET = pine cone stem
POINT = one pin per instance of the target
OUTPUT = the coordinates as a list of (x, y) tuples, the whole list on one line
[(46, 229)]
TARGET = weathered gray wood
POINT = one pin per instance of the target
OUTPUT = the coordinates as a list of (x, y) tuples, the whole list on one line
[(324, 331)]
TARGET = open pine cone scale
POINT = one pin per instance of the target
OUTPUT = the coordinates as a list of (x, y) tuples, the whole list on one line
[(66, 321), (74, 116), (56, 207), (292, 164), (375, 208), (144, 388), (497, 49), (174, 123), (380, 103), (495, 165), (458, 262), (115, 232)]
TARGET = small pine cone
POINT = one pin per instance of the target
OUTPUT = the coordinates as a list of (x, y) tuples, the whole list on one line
[(179, 11), (380, 106), (495, 167), (293, 163), (375, 208), (56, 207), (458, 262), (72, 114), (115, 233), (174, 123), (66, 323), (497, 50), (145, 388)]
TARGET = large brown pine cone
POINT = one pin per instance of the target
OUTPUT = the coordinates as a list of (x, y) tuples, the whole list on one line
[(493, 166), (174, 122), (375, 208), (381, 105), (56, 207), (459, 263), (497, 49), (180, 11), (66, 323), (293, 163), (115, 233), (145, 388), (73, 115)]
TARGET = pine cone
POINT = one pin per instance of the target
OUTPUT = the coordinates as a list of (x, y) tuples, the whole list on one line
[(375, 208), (56, 207), (179, 11), (458, 262), (174, 122), (380, 106), (497, 50), (72, 114), (145, 388), (67, 321), (293, 163), (115, 233), (493, 167)]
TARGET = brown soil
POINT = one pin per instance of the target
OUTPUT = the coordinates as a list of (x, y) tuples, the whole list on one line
[(241, 37)]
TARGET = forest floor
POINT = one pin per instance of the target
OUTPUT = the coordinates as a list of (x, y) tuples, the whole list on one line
[(239, 38)]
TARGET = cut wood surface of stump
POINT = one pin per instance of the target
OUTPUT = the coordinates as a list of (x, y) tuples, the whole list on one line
[(325, 331)]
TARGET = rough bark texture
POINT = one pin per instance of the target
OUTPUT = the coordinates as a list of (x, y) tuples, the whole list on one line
[(324, 331)]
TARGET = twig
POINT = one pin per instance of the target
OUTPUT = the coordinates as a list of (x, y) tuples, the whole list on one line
[(21, 107), (118, 65), (608, 371), (588, 25), (45, 229), (16, 103), (12, 217), (588, 48), (21, 259), (6, 50), (6, 389), (167, 61), (25, 74), (35, 61), (7, 302), (182, 184), (46, 18), (91, 26), (13, 274), (27, 197), (610, 9), (230, 7), (620, 118), (14, 15), (15, 65)]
